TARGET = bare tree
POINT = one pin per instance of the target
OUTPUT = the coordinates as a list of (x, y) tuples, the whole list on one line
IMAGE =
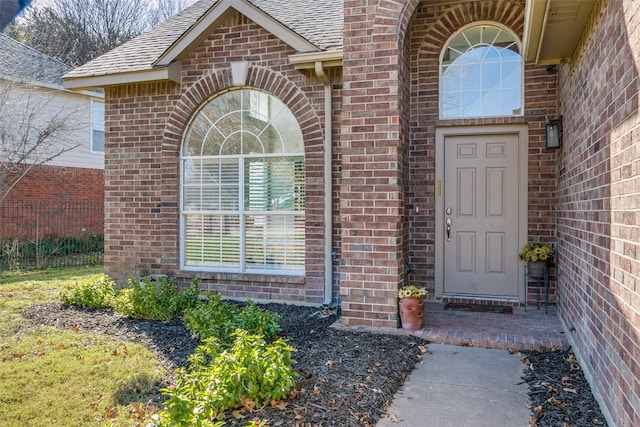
[(165, 9), (76, 31), (28, 136)]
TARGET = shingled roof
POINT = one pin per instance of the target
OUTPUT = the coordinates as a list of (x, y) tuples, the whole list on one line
[(318, 23), (22, 64)]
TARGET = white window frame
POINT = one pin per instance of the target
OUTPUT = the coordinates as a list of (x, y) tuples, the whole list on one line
[(242, 211), (440, 69), (97, 124)]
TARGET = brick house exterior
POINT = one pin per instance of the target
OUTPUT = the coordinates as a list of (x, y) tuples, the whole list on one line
[(362, 79)]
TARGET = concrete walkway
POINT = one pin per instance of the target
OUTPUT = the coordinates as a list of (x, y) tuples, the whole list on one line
[(460, 387)]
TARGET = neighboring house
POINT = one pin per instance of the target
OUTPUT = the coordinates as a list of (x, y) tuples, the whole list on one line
[(32, 98), (308, 152)]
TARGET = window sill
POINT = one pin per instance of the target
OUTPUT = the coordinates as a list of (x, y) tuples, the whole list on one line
[(240, 277)]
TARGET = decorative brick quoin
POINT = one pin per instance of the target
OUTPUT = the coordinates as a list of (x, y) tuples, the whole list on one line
[(330, 151)]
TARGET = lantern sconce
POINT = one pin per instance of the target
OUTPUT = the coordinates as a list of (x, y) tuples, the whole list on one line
[(554, 133)]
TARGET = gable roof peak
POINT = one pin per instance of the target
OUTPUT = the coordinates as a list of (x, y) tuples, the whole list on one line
[(307, 26), (219, 11)]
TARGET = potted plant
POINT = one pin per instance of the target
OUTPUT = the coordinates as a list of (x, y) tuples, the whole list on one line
[(411, 306), (537, 256)]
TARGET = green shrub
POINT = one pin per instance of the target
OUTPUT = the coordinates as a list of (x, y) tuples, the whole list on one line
[(220, 319), (91, 293), (157, 299), (209, 319), (220, 378)]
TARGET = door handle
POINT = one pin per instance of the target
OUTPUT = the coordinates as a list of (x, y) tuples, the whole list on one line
[(448, 222)]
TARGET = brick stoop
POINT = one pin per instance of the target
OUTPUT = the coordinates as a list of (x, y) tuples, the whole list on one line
[(530, 330)]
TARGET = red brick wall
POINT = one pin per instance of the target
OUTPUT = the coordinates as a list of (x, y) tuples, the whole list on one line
[(141, 189), (59, 187), (374, 165), (58, 184), (598, 208), (145, 124)]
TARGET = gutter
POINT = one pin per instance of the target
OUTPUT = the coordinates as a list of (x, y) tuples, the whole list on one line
[(317, 61), (328, 198)]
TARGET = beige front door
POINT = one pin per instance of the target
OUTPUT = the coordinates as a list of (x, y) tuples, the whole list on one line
[(480, 195)]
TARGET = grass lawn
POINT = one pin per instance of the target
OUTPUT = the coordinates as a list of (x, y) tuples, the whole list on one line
[(54, 377)]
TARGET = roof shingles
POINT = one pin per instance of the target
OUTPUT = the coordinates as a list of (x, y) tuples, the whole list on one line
[(23, 64), (319, 21)]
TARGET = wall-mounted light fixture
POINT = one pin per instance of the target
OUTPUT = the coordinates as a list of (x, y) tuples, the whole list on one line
[(554, 133)]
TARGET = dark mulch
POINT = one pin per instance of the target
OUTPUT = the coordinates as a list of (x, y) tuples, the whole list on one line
[(558, 391), (347, 378)]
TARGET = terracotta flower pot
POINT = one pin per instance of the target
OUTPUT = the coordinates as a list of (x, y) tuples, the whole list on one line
[(412, 313)]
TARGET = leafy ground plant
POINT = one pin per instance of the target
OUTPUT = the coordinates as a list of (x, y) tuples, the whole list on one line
[(92, 293), (249, 373), (64, 377), (156, 299), (219, 319)]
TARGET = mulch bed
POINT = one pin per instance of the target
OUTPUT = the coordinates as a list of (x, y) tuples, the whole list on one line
[(558, 391), (347, 378)]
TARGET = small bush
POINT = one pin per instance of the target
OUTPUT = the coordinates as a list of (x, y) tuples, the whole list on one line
[(157, 299), (91, 293), (219, 378), (220, 319)]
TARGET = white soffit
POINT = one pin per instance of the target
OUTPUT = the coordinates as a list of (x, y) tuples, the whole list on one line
[(553, 28), (307, 61)]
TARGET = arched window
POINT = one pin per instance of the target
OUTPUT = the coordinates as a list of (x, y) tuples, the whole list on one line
[(243, 187), (481, 74)]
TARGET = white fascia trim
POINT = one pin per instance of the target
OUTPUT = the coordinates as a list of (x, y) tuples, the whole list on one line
[(34, 83), (61, 88), (534, 20), (171, 72), (221, 10), (307, 61), (92, 94)]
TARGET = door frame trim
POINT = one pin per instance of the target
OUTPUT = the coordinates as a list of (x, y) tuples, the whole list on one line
[(522, 132)]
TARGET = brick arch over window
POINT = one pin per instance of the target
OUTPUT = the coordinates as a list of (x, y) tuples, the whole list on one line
[(259, 77), (505, 12)]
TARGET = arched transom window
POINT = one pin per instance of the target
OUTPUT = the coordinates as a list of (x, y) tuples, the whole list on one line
[(243, 187), (481, 74)]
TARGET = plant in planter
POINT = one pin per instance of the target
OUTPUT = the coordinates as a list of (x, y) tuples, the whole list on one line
[(537, 256), (411, 306)]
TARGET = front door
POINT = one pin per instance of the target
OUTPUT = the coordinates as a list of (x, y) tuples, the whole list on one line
[(480, 201)]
